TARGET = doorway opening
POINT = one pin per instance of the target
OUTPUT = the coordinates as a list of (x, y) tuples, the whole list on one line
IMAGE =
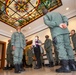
[(2, 53)]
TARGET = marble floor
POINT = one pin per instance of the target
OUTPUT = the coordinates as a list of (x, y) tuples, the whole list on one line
[(31, 71)]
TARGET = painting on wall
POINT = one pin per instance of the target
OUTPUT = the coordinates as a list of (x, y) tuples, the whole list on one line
[(23, 12)]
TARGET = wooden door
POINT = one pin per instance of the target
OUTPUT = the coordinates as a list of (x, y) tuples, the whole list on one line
[(2, 53)]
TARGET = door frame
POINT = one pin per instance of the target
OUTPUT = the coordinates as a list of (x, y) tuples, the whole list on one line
[(3, 53)]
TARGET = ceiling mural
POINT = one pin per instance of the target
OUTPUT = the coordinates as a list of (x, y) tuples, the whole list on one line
[(23, 12)]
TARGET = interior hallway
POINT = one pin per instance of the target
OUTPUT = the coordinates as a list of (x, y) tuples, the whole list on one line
[(42, 71)]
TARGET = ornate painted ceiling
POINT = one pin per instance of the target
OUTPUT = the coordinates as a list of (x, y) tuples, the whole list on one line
[(23, 12)]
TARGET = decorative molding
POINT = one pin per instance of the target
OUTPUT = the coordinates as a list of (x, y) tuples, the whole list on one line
[(37, 29), (4, 33), (71, 13)]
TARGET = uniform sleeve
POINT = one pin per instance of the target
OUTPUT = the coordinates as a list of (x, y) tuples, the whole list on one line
[(27, 53), (24, 41), (49, 44), (75, 36), (49, 22), (8, 48), (44, 45), (13, 39), (65, 19)]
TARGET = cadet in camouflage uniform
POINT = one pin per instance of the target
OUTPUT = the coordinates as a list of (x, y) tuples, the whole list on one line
[(29, 56), (60, 34), (73, 37), (18, 44), (9, 56), (48, 49)]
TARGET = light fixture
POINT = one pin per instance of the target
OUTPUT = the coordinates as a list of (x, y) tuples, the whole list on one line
[(11, 31), (67, 8), (29, 27)]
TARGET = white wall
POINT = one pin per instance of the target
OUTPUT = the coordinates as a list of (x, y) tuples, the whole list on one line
[(72, 24), (4, 39)]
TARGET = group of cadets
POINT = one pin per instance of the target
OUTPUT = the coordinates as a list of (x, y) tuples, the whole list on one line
[(29, 56), (57, 24)]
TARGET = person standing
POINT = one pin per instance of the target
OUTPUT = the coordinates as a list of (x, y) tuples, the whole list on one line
[(18, 44), (48, 49), (73, 37), (29, 56), (60, 34), (9, 65), (36, 45)]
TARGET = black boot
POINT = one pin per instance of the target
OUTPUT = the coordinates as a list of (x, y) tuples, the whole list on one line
[(6, 68), (17, 68), (21, 68), (72, 65), (56, 63), (30, 65), (27, 66), (51, 64), (60, 62), (64, 67), (75, 63), (43, 64), (11, 67)]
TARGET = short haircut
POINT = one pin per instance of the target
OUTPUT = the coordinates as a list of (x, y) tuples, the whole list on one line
[(47, 36), (73, 30), (37, 36)]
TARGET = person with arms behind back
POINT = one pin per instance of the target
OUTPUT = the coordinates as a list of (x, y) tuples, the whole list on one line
[(60, 34)]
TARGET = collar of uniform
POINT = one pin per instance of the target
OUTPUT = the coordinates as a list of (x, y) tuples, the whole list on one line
[(19, 32)]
